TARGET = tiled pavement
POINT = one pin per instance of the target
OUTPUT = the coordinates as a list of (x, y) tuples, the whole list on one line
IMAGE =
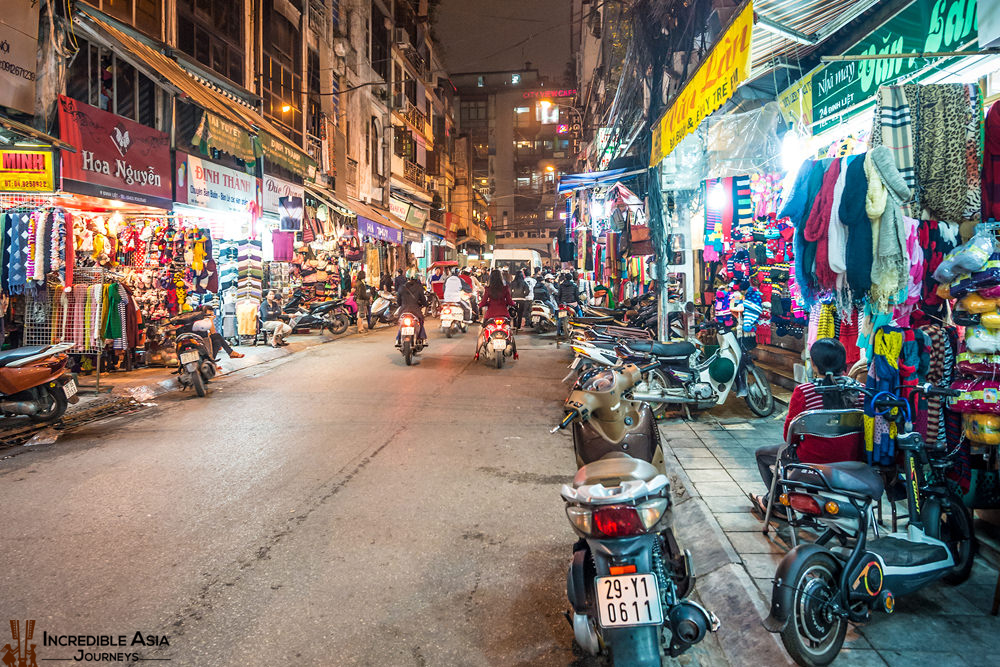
[(940, 626)]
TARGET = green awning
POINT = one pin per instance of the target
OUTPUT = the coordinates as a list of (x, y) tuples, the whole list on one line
[(222, 135), (281, 153)]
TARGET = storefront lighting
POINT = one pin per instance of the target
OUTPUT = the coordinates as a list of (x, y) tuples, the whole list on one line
[(597, 210), (550, 169), (794, 151), (717, 197), (117, 203)]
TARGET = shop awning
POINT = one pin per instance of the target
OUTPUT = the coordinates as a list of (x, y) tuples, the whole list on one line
[(327, 198), (27, 132), (158, 66), (570, 182)]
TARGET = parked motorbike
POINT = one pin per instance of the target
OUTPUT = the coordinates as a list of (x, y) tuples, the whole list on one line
[(196, 360), (408, 341), (454, 319), (330, 315), (384, 309), (628, 580), (34, 382), (496, 341), (433, 307), (684, 379), (542, 318), (819, 590)]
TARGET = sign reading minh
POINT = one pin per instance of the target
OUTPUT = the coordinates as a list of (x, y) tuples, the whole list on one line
[(714, 82)]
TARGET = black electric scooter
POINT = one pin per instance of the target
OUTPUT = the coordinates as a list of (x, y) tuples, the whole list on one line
[(818, 590), (628, 580)]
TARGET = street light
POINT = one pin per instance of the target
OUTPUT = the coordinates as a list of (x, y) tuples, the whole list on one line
[(285, 108), (549, 103)]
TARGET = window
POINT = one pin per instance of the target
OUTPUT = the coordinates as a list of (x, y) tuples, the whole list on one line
[(515, 79), (99, 78), (546, 113), (406, 147), (281, 65), (474, 111), (379, 44), (549, 213), (211, 32), (146, 15), (481, 81), (315, 119), (398, 85)]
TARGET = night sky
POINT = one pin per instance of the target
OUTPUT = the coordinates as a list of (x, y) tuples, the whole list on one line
[(485, 35)]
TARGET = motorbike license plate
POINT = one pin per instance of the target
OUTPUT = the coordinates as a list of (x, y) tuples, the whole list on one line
[(408, 331), (499, 344), (69, 389), (445, 322), (190, 357), (627, 600), (563, 314), (576, 362)]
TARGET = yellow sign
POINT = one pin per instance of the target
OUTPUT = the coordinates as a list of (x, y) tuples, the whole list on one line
[(714, 82), (26, 171), (796, 102)]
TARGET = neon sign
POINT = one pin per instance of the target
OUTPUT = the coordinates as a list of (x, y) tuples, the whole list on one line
[(539, 94)]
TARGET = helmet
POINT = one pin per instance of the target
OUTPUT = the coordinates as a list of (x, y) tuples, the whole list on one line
[(549, 277)]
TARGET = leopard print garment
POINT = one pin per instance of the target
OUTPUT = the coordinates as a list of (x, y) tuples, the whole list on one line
[(947, 117)]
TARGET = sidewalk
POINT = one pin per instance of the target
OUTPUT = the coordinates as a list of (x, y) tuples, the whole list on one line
[(715, 469)]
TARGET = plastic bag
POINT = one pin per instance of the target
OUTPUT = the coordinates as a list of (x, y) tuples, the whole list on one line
[(981, 340), (966, 258), (977, 397), (979, 364), (976, 303)]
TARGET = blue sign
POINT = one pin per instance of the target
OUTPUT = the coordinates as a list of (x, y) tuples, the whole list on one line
[(371, 228)]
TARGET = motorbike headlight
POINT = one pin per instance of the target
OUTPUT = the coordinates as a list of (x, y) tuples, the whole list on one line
[(581, 518), (651, 511)]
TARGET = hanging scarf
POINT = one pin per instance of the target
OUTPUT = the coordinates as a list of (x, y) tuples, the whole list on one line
[(886, 193), (946, 114), (17, 270), (894, 129), (817, 227), (991, 165)]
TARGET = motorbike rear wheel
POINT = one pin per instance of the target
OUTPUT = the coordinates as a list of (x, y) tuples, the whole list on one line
[(198, 382), (815, 634), (57, 405), (759, 398), (407, 352), (498, 357)]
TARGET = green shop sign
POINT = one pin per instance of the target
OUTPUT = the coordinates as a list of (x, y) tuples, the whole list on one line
[(280, 153), (925, 26), (214, 132)]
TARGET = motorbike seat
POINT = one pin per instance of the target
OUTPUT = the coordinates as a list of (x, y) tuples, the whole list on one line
[(684, 349), (613, 469), (592, 320), (851, 476), (10, 356)]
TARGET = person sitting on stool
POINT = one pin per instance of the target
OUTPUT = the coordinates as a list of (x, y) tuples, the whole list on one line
[(271, 315), (206, 328)]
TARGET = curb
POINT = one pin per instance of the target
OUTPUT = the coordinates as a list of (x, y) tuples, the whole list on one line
[(722, 583), (147, 392)]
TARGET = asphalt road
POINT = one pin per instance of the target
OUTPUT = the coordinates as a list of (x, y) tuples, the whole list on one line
[(331, 508)]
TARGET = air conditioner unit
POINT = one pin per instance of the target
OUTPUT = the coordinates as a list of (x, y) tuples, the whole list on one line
[(401, 38)]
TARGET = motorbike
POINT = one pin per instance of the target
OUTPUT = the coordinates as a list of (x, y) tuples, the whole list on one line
[(496, 341), (819, 590), (453, 319), (433, 307), (408, 341), (330, 315), (685, 379), (384, 309), (542, 318), (628, 580), (34, 382), (196, 360)]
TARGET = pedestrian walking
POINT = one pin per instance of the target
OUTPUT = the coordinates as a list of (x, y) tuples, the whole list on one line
[(360, 290)]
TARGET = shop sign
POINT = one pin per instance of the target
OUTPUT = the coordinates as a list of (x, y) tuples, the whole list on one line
[(27, 171), (796, 102), (280, 153), (412, 236), (417, 217), (275, 189), (398, 208), (925, 26), (208, 185), (220, 134), (373, 229), (115, 158), (547, 94), (717, 77), (450, 227), (18, 46)]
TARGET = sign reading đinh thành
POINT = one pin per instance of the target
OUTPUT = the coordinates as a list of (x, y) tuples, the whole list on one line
[(715, 80)]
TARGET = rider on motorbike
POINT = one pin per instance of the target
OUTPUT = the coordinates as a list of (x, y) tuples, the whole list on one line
[(497, 302), (454, 287), (412, 299)]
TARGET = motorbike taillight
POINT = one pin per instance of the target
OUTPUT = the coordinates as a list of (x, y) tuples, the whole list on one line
[(618, 521), (498, 323)]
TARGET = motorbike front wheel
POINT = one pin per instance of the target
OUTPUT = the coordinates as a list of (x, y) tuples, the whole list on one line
[(339, 324), (56, 406), (198, 382), (814, 633), (407, 352), (948, 520), (759, 398)]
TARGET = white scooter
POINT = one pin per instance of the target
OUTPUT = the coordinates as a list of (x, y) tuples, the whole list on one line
[(384, 309), (542, 318), (455, 317)]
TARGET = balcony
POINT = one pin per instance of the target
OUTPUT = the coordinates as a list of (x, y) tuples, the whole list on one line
[(415, 117), (414, 173)]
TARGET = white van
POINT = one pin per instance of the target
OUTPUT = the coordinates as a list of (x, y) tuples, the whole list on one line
[(514, 260)]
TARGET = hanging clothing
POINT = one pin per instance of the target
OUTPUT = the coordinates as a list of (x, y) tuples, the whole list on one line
[(886, 193)]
